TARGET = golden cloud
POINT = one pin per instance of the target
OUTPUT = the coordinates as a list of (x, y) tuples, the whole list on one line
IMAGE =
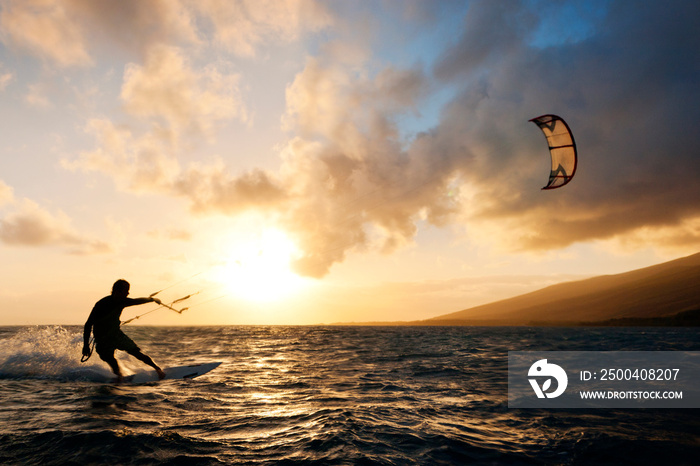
[(33, 226), (45, 28), (67, 32), (242, 26), (167, 88)]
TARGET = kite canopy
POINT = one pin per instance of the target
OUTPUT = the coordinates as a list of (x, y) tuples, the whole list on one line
[(562, 148)]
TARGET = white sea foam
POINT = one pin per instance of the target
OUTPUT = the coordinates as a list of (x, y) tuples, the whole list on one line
[(51, 352)]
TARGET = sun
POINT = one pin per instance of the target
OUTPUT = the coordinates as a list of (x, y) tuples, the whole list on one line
[(259, 270)]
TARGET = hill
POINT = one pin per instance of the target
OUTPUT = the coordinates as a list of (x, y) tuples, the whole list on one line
[(652, 294)]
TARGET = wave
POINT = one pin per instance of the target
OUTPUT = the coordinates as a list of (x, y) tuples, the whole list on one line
[(313, 395), (58, 447), (48, 352)]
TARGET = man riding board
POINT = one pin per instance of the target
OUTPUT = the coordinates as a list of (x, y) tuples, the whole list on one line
[(104, 323)]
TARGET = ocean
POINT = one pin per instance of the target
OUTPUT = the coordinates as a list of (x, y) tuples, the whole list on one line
[(324, 395)]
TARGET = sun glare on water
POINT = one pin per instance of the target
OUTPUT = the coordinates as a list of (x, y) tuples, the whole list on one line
[(259, 269)]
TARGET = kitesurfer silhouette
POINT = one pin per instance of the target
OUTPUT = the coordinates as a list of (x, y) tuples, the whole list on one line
[(104, 324)]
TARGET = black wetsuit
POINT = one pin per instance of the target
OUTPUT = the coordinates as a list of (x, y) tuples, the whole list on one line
[(104, 322)]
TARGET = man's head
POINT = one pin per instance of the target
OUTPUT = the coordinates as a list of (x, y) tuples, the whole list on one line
[(121, 288)]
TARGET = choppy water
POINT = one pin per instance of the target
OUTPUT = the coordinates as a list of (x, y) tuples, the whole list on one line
[(323, 395)]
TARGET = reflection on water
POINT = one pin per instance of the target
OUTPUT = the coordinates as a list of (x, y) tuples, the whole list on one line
[(327, 395)]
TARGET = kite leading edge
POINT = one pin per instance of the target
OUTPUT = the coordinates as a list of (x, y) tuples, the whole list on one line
[(562, 149)]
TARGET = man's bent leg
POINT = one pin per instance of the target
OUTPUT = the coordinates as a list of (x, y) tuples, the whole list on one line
[(128, 345), (113, 364), (147, 360)]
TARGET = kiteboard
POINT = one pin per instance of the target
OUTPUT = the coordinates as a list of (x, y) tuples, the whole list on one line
[(179, 372)]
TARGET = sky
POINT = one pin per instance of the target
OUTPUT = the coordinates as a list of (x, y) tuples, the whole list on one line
[(306, 162)]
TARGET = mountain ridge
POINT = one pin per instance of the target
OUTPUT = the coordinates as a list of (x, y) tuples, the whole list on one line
[(656, 291)]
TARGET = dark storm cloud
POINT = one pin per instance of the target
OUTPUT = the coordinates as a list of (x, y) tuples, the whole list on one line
[(628, 90)]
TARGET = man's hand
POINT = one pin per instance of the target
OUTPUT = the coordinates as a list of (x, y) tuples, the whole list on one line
[(157, 301), (86, 350)]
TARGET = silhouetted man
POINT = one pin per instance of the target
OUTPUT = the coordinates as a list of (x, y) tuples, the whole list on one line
[(104, 323)]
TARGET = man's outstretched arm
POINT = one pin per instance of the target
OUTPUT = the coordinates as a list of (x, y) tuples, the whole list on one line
[(137, 301)]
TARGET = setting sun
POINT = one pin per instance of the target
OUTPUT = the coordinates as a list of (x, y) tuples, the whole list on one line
[(259, 269)]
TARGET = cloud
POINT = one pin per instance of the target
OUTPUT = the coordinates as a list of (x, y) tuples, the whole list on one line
[(65, 32), (628, 94), (135, 25), (347, 181), (167, 88), (69, 33), (352, 179), (32, 226), (176, 102), (491, 34), (146, 163), (242, 26), (136, 163), (44, 28), (213, 189), (329, 97), (350, 147)]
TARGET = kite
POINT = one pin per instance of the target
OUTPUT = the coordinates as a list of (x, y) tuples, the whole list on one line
[(562, 149)]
